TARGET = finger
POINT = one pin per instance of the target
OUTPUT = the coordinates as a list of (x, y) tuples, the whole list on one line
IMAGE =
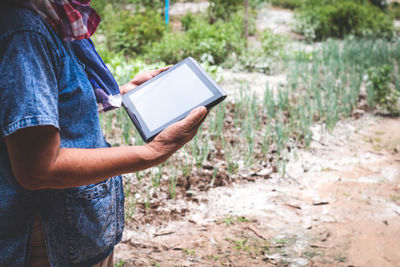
[(165, 68), (162, 69), (194, 119)]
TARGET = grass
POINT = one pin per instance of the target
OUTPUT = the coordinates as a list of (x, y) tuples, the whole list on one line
[(231, 220), (119, 263), (394, 197), (189, 252), (323, 86), (340, 259)]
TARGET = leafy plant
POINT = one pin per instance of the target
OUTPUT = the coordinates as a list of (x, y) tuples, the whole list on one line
[(291, 4), (215, 41), (223, 9), (187, 21), (394, 10), (382, 4), (131, 33), (385, 96), (319, 21), (271, 42)]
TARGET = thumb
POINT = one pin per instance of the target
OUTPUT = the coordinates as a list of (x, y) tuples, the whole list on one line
[(194, 118)]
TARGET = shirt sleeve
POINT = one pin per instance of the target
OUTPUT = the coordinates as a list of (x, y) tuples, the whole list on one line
[(28, 82)]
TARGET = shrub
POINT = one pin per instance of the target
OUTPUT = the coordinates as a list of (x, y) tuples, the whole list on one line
[(338, 20), (130, 33), (385, 96), (270, 42), (223, 9), (187, 21), (291, 4), (394, 10), (213, 42), (382, 4)]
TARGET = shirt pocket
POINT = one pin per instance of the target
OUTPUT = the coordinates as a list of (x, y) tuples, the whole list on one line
[(92, 221)]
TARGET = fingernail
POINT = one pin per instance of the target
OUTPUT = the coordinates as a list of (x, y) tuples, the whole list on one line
[(200, 110)]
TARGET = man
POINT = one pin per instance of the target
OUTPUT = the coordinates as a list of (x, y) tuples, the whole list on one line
[(54, 162)]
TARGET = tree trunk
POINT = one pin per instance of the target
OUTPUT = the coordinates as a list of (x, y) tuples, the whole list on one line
[(246, 21)]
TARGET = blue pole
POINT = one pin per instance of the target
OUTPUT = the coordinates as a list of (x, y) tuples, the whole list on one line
[(166, 12)]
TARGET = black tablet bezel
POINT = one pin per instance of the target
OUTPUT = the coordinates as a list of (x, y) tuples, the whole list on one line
[(147, 135)]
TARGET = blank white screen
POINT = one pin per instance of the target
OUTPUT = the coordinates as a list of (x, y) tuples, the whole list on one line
[(170, 96)]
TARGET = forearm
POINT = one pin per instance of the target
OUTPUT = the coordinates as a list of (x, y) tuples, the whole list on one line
[(77, 167), (42, 164)]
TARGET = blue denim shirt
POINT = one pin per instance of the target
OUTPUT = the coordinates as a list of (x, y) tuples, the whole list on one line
[(43, 83)]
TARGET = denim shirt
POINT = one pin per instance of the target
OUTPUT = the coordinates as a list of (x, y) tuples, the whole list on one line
[(43, 83)]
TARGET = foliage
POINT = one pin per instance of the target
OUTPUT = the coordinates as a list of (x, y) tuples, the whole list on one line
[(394, 10), (213, 42), (291, 4), (382, 4), (270, 42), (384, 95), (100, 5), (258, 57), (223, 9), (318, 22), (122, 68), (187, 21), (130, 33), (253, 60)]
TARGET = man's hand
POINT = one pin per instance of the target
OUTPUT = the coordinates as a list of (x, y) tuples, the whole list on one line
[(176, 135), (141, 78), (38, 162)]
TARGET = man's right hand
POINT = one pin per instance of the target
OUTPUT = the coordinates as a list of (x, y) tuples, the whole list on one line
[(38, 161), (176, 135)]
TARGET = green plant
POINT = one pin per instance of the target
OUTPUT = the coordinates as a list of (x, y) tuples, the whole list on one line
[(156, 178), (214, 175), (270, 42), (187, 21), (189, 252), (320, 21), (223, 9), (340, 258), (394, 10), (202, 41), (100, 5), (385, 96), (382, 4), (394, 197), (231, 220), (173, 178), (130, 33), (130, 203), (291, 4), (119, 263), (241, 245)]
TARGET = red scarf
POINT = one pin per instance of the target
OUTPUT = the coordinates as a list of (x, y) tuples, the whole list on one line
[(71, 19)]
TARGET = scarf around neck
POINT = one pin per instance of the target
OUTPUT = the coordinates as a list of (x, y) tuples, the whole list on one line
[(75, 21), (71, 19)]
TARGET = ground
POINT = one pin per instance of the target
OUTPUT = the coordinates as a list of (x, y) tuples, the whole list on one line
[(338, 204)]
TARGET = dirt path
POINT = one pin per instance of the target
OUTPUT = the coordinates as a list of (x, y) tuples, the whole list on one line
[(338, 205)]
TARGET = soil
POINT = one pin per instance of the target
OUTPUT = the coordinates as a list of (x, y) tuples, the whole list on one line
[(337, 204)]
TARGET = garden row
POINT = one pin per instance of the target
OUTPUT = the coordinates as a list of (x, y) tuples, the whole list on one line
[(247, 134)]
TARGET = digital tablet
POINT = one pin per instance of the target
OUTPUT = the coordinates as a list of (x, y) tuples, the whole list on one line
[(170, 96)]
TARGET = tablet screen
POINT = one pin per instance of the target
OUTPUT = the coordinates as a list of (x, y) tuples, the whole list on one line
[(188, 88)]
